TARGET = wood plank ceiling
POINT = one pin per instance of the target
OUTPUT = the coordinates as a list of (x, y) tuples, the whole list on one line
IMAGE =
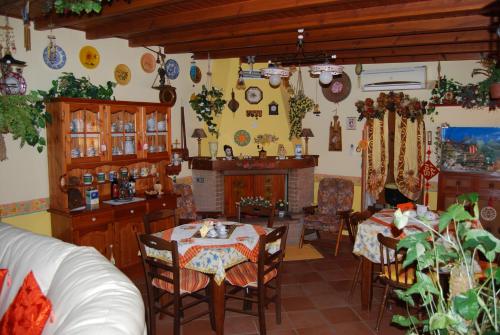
[(357, 31)]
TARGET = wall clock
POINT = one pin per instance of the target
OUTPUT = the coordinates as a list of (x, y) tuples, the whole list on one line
[(13, 83), (253, 95), (273, 108)]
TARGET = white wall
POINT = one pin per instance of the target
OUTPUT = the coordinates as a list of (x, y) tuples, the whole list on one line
[(24, 175)]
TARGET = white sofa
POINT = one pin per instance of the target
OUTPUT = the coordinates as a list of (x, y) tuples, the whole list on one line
[(89, 295)]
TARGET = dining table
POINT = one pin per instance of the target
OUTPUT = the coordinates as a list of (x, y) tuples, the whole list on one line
[(367, 247), (214, 255)]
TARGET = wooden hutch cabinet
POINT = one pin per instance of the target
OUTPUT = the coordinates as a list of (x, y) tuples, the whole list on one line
[(98, 136), (487, 185)]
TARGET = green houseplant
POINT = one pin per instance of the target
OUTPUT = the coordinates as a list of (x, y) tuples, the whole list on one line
[(69, 86), (207, 105), (450, 253), (489, 88), (23, 116), (74, 6)]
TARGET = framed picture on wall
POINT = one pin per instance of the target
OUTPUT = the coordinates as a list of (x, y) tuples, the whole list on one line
[(350, 123)]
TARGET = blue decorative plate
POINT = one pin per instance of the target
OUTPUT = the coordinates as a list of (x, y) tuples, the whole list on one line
[(59, 59), (172, 69)]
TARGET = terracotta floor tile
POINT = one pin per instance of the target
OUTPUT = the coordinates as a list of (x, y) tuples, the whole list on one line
[(296, 303), (342, 285), (240, 325), (336, 274), (326, 300), (271, 324), (340, 314), (315, 288), (291, 290), (318, 330), (307, 318), (352, 328), (308, 277)]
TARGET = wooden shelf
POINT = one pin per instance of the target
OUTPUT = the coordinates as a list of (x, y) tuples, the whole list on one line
[(268, 163)]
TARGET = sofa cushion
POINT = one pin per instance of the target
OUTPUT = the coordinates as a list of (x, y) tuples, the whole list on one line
[(29, 311), (91, 296), (21, 252)]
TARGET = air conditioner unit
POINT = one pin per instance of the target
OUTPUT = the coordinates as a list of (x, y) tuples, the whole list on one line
[(408, 78)]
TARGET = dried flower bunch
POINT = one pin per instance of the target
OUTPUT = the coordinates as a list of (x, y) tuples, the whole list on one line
[(400, 103), (281, 205), (255, 201)]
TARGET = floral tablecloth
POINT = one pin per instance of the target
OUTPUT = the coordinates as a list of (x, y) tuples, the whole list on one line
[(212, 255), (366, 243)]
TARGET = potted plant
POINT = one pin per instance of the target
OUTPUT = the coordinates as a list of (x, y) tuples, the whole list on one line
[(23, 116), (489, 88), (254, 201), (208, 104), (281, 206), (452, 253)]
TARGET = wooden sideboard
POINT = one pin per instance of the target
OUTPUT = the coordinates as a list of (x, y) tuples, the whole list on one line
[(487, 185)]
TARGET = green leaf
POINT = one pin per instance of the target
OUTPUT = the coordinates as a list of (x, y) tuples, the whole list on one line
[(484, 241), (405, 321), (467, 305), (438, 321)]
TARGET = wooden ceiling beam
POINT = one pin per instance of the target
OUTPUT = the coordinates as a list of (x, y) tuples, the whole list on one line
[(318, 35), (107, 13), (336, 46), (225, 29), (473, 47)]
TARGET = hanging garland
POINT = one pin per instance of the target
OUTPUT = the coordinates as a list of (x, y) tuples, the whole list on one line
[(207, 104), (300, 104), (400, 103), (376, 177)]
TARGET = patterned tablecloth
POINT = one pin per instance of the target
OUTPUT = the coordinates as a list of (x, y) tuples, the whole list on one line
[(366, 243), (213, 255)]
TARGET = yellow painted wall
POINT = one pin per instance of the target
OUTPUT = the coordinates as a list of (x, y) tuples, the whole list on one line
[(38, 222)]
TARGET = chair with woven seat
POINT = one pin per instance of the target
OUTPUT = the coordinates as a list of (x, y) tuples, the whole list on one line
[(255, 279), (256, 212), (392, 273), (166, 280), (354, 220), (335, 198), (160, 220), (186, 206)]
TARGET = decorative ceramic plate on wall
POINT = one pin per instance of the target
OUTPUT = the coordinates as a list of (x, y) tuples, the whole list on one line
[(58, 59), (89, 57), (242, 137), (172, 69), (339, 88), (122, 74), (195, 74), (148, 62)]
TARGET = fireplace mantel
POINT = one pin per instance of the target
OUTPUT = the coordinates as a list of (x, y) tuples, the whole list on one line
[(269, 163)]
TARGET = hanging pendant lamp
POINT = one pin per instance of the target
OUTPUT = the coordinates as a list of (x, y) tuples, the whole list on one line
[(326, 71)]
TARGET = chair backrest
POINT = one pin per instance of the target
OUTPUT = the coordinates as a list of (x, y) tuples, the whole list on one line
[(267, 261), (185, 203), (391, 261), (335, 194), (157, 221), (260, 211), (157, 269), (354, 220)]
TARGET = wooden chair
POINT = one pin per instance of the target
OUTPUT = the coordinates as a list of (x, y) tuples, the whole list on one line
[(257, 211), (166, 280), (257, 279), (392, 273), (160, 220), (335, 198), (187, 208), (354, 220)]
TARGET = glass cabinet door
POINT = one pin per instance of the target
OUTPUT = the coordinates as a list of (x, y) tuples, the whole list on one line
[(85, 133), (123, 125), (157, 125)]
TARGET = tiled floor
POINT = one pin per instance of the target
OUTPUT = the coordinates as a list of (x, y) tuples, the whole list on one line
[(314, 298)]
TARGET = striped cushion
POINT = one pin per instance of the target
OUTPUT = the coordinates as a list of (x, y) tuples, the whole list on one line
[(245, 274), (191, 281), (405, 276)]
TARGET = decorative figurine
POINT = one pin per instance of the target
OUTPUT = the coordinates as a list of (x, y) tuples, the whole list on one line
[(281, 151)]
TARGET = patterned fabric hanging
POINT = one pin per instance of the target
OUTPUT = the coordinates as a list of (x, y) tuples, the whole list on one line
[(377, 153), (409, 141)]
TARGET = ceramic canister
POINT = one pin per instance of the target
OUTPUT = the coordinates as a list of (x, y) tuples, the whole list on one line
[(101, 177)]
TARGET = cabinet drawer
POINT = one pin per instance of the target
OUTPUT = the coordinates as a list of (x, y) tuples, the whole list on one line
[(158, 204), (489, 185), (457, 184), (133, 210), (92, 219)]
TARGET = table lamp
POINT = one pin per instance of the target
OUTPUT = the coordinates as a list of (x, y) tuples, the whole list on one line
[(199, 133), (306, 132)]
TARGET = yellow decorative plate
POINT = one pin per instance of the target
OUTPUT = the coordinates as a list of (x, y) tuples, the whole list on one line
[(122, 74), (89, 57)]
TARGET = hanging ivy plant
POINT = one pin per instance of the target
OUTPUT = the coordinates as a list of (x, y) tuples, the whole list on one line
[(75, 6), (70, 86), (300, 104), (208, 104), (22, 116)]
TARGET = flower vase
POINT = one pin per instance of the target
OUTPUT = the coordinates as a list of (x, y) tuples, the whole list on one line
[(213, 146)]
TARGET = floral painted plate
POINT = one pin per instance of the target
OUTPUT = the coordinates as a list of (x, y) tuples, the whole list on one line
[(172, 69), (242, 137), (58, 59)]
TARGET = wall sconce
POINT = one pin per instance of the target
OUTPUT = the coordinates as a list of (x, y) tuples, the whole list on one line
[(199, 133), (306, 133)]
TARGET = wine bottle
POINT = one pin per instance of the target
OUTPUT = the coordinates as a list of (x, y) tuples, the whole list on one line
[(115, 189)]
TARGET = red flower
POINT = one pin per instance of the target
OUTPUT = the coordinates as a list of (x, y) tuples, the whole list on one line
[(369, 102)]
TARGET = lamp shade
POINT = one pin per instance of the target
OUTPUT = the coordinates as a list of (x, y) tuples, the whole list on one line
[(306, 132), (199, 133)]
